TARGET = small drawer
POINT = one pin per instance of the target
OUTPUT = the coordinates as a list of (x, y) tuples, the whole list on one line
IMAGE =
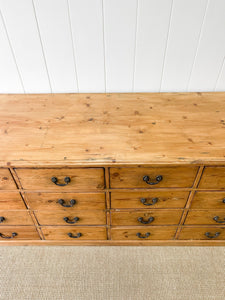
[(214, 200), (213, 178), (6, 180), (147, 217), (151, 199), (68, 201), (15, 217), (79, 217), (202, 217), (144, 233), (154, 177), (11, 233), (11, 201), (74, 233), (202, 233), (62, 179)]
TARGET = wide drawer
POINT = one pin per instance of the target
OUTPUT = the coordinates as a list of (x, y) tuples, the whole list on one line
[(202, 233), (11, 201), (74, 233), (6, 180), (213, 178), (213, 200), (153, 177), (144, 233), (151, 199), (148, 217), (61, 179), (68, 201), (80, 217), (15, 217), (202, 217), (11, 233)]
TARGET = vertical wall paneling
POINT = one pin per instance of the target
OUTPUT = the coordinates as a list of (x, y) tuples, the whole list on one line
[(120, 32), (211, 49), (23, 33), (152, 30), (185, 27), (53, 21), (87, 29), (10, 81)]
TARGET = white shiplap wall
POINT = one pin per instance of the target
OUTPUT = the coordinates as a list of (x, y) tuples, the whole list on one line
[(56, 46)]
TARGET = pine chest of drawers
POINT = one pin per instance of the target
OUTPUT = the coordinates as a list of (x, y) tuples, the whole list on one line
[(112, 169)]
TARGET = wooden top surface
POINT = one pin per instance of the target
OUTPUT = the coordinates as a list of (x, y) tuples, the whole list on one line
[(105, 129)]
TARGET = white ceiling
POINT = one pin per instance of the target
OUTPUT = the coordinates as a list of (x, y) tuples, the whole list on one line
[(112, 46)]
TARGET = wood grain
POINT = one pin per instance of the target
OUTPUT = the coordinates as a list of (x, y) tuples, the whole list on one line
[(198, 233), (61, 233), (89, 217), (213, 177), (23, 233), (15, 217), (156, 233), (213, 200), (133, 177), (205, 217), (6, 180), (49, 201), (100, 129), (11, 201), (161, 217), (87, 178)]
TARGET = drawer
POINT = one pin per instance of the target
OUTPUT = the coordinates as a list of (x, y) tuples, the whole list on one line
[(11, 233), (202, 217), (144, 233), (152, 199), (6, 180), (154, 177), (74, 233), (41, 179), (50, 201), (148, 217), (213, 178), (79, 217), (215, 200), (15, 217), (11, 201), (202, 233)]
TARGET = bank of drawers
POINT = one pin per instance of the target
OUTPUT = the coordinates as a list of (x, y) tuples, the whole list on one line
[(145, 204)]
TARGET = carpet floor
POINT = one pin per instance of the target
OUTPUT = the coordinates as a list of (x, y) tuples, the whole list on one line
[(105, 273)]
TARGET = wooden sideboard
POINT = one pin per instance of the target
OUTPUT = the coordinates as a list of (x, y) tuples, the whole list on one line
[(112, 169)]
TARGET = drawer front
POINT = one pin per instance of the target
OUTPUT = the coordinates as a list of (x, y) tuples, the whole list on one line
[(11, 233), (80, 217), (202, 217), (11, 201), (144, 233), (61, 201), (15, 217), (152, 199), (214, 200), (213, 178), (154, 177), (202, 233), (149, 217), (74, 233), (41, 179), (6, 180)]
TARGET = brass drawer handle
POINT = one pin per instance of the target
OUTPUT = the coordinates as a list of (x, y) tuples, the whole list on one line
[(2, 219), (74, 236), (147, 234), (217, 219), (153, 200), (66, 180), (67, 220), (147, 179), (7, 236), (209, 235), (150, 220), (62, 202)]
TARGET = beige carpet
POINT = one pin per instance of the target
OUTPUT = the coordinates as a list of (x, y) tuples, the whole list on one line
[(102, 273)]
